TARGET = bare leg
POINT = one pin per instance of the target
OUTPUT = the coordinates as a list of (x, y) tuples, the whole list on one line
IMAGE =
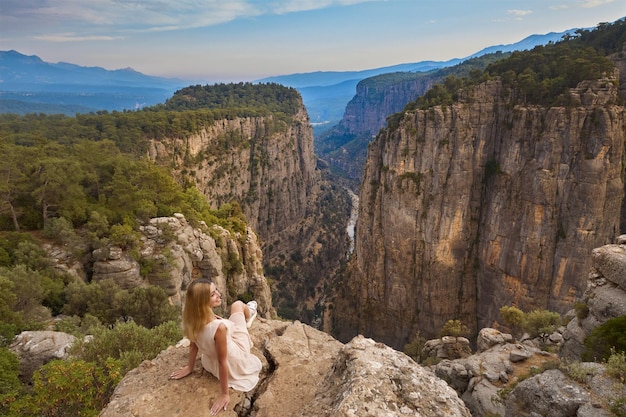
[(240, 306)]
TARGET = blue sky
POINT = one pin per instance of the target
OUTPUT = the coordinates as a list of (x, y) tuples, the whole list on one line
[(244, 40)]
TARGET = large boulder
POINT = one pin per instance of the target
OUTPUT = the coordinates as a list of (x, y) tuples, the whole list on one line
[(488, 337), (549, 394), (305, 373), (371, 379), (36, 348), (447, 347)]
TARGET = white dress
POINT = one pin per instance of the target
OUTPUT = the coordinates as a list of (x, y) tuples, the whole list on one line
[(243, 366)]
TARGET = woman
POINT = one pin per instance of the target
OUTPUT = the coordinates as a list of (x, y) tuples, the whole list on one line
[(224, 343)]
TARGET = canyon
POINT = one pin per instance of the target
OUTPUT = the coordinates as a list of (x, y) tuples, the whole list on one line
[(269, 167)]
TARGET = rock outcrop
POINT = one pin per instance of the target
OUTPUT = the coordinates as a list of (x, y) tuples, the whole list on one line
[(522, 378), (267, 165), (173, 252), (604, 299), (375, 100), (470, 207), (545, 392), (344, 146), (36, 348), (479, 378), (305, 373)]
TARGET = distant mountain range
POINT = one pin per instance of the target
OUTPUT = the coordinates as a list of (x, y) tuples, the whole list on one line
[(326, 94), (29, 84)]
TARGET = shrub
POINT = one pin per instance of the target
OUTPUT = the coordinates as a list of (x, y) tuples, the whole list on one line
[(28, 294), (77, 326), (604, 338), (453, 328), (61, 230), (10, 386), (128, 342), (616, 365), (513, 317), (104, 300), (582, 310), (618, 406), (414, 348), (31, 255), (535, 323), (124, 236), (11, 320), (149, 307), (578, 371), (539, 322), (70, 389)]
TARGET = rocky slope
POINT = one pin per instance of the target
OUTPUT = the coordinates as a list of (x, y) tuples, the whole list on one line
[(570, 387), (466, 208), (268, 166)]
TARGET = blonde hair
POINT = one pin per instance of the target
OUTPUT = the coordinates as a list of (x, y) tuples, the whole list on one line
[(197, 311)]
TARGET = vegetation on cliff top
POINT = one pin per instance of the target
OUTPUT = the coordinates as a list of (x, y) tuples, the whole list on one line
[(244, 97), (542, 75), (460, 70)]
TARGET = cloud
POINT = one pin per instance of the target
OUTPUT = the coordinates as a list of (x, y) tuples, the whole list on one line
[(72, 37), (589, 4), (519, 13), (291, 6), (106, 16), (584, 4)]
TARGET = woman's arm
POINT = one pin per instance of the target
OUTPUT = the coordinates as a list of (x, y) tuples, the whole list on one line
[(191, 362), (222, 353)]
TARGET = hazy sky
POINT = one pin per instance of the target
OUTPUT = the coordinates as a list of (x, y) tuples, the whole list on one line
[(244, 40)]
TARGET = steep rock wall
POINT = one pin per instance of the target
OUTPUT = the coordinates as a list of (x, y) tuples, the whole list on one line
[(368, 110), (267, 164), (344, 147), (264, 162), (467, 208)]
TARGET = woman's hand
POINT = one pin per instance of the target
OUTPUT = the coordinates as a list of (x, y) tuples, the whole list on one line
[(191, 362), (181, 373), (221, 404)]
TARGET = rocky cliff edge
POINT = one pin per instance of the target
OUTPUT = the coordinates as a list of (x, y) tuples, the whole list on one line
[(305, 373)]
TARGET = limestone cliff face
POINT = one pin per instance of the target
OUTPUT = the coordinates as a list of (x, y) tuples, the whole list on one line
[(268, 166), (467, 208), (367, 112), (345, 145)]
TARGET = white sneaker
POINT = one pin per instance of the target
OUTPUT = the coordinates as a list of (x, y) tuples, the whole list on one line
[(252, 307)]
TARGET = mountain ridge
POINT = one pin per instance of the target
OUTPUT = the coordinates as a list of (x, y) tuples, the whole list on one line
[(29, 84), (320, 83), (18, 70)]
